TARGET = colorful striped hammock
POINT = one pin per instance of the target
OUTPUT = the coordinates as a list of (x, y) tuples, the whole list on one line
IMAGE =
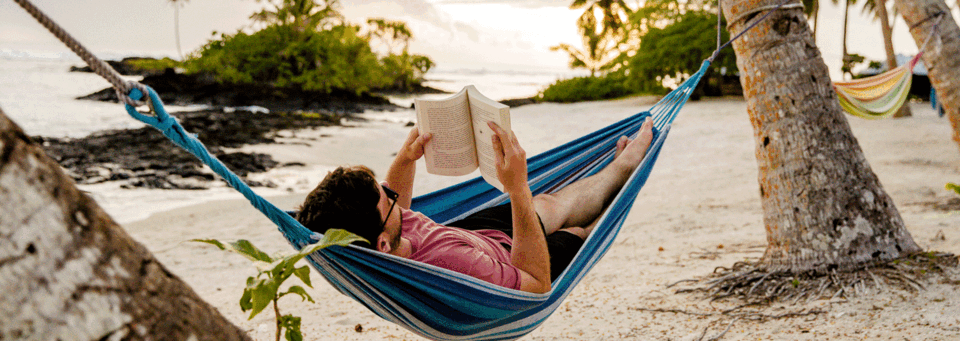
[(877, 96)]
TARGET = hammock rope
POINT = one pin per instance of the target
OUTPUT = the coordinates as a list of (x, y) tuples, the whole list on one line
[(434, 302)]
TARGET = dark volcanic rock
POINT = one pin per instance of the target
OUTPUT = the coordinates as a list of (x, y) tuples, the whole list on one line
[(516, 102), (145, 158), (181, 89), (124, 67)]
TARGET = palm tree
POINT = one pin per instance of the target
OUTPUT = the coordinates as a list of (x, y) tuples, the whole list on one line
[(942, 60), (176, 23), (602, 29), (614, 13), (391, 33), (302, 15), (824, 208), (89, 278), (848, 59), (598, 48)]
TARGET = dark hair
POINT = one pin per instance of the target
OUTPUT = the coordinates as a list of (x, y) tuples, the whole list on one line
[(346, 199)]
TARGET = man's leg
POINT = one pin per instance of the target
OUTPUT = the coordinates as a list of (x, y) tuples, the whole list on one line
[(580, 203)]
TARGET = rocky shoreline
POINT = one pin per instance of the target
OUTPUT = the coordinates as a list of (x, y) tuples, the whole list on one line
[(238, 115), (144, 158)]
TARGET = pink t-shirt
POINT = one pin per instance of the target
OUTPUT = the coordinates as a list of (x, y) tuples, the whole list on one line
[(476, 253)]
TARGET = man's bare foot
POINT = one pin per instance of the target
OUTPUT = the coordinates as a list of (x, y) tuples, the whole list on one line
[(631, 152), (621, 145)]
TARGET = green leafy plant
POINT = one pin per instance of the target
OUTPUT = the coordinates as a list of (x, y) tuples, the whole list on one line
[(588, 88), (264, 288), (953, 187)]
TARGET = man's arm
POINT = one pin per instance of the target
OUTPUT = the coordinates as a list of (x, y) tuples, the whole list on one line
[(529, 252), (404, 167)]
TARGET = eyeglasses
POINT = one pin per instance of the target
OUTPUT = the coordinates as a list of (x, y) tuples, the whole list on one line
[(392, 196)]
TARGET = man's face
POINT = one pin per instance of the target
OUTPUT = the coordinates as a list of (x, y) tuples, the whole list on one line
[(390, 215)]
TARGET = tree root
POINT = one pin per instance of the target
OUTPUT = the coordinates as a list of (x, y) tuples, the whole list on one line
[(752, 284)]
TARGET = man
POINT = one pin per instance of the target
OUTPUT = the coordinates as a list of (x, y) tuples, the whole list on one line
[(522, 245)]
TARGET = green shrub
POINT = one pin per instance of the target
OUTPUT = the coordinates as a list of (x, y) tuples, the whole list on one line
[(404, 71), (677, 51), (585, 89), (282, 56), (150, 64)]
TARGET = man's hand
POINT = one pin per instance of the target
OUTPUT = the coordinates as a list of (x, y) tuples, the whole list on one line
[(404, 167), (511, 160), (412, 149)]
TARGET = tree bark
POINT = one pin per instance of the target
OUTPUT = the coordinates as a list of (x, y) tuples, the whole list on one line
[(68, 272), (887, 30), (943, 63), (824, 208)]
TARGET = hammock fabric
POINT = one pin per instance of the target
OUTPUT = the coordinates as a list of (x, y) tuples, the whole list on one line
[(443, 304), (878, 96)]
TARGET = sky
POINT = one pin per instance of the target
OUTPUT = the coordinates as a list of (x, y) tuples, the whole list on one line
[(474, 34)]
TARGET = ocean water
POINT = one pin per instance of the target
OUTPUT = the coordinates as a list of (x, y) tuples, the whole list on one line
[(38, 92)]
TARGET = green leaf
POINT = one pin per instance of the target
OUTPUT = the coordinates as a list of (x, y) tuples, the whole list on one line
[(246, 248), (263, 292), (953, 187), (245, 303), (213, 242), (242, 247), (296, 289), (303, 273), (330, 238), (292, 326)]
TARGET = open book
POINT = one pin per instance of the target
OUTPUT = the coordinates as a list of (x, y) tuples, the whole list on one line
[(461, 138)]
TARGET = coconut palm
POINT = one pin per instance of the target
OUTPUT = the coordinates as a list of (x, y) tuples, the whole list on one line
[(613, 12), (824, 208), (602, 28), (302, 15), (940, 56), (63, 253), (598, 48), (392, 34)]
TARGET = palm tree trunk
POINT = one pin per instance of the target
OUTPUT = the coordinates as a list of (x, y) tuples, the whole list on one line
[(943, 63), (176, 26), (887, 30), (846, 16), (70, 273), (824, 208)]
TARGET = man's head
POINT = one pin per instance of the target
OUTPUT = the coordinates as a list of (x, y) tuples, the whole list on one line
[(348, 199)]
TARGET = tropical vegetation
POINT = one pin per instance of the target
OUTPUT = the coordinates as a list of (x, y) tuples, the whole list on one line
[(308, 45), (641, 51)]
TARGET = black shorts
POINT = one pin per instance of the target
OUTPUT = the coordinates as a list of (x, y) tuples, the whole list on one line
[(561, 245)]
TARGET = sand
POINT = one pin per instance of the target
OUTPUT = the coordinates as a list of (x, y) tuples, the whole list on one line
[(700, 206)]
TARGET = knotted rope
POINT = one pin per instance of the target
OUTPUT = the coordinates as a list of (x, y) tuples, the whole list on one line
[(125, 89)]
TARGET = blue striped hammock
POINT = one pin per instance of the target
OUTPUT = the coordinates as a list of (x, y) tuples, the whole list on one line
[(442, 304)]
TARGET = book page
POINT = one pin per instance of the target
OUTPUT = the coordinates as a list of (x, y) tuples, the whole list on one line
[(451, 151), (485, 110)]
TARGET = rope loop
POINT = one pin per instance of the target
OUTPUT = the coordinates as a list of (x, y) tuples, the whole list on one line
[(928, 18), (772, 8), (781, 5), (161, 119)]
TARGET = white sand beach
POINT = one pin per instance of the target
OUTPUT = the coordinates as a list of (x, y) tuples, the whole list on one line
[(700, 206)]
